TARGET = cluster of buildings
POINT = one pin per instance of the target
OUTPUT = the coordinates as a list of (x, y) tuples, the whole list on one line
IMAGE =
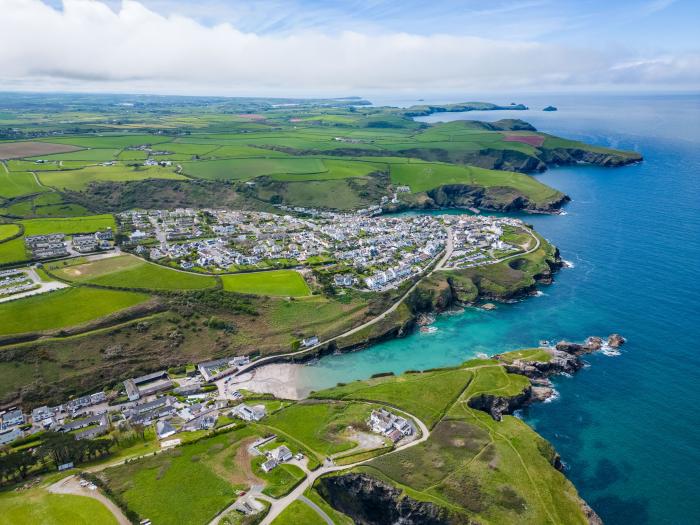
[(390, 425), (55, 244), (372, 252), (15, 281), (478, 239)]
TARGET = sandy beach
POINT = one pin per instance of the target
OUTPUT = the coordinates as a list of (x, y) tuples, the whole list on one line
[(280, 379)]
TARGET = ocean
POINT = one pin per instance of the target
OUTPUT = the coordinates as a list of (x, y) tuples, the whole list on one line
[(627, 426)]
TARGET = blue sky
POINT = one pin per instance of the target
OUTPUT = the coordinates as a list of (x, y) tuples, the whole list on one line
[(296, 46)]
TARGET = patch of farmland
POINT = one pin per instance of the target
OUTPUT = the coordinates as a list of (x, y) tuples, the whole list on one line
[(16, 184), (274, 283), (245, 169), (80, 179), (69, 226), (16, 150), (112, 141), (93, 155), (128, 271), (532, 140)]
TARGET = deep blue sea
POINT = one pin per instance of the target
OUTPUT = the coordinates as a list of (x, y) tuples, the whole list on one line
[(627, 427)]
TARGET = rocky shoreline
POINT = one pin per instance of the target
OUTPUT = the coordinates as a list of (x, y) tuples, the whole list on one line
[(565, 358)]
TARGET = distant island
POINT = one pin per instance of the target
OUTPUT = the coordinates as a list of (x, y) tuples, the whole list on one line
[(425, 110), (550, 108)]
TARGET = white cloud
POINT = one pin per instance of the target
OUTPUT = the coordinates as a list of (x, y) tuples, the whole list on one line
[(88, 45)]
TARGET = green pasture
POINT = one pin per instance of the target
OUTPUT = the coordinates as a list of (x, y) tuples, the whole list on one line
[(274, 283), (78, 180), (63, 308), (38, 506)]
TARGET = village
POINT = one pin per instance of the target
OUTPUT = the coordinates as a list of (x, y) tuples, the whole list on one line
[(367, 251)]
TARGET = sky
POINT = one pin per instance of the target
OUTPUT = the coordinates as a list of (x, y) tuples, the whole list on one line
[(341, 48)]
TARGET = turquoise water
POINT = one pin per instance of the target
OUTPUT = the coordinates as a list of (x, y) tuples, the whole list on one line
[(627, 427)]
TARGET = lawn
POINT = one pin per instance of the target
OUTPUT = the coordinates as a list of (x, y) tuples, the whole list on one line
[(128, 271), (37, 506), (78, 180), (274, 283), (245, 169), (63, 308), (8, 230), (298, 513), (319, 425), (69, 226), (186, 486), (426, 395)]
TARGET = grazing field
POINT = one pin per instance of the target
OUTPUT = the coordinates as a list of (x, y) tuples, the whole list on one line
[(274, 283), (319, 426), (128, 271), (298, 513), (532, 140), (423, 176), (335, 169), (78, 180), (16, 184), (188, 485), (17, 150), (69, 225), (113, 141), (245, 169), (63, 308), (8, 230), (38, 506), (13, 251), (93, 155), (426, 395)]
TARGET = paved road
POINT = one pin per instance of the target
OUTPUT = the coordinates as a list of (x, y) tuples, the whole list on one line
[(71, 485)]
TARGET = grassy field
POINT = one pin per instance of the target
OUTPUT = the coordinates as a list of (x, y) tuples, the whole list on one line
[(478, 468), (16, 184), (245, 169), (13, 251), (298, 513), (112, 141), (425, 395), (186, 486), (319, 426), (423, 176), (287, 283), (531, 354), (128, 271), (92, 155), (69, 226), (63, 308), (8, 230), (38, 506), (78, 180)]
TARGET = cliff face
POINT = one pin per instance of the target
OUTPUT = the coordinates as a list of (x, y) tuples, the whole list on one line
[(494, 198), (369, 501)]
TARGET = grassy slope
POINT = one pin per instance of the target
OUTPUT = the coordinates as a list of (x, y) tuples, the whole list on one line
[(69, 226), (298, 513), (188, 485), (127, 271), (78, 180), (16, 184), (425, 395), (496, 472), (7, 231), (287, 283), (318, 425), (37, 506), (63, 308), (423, 176)]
